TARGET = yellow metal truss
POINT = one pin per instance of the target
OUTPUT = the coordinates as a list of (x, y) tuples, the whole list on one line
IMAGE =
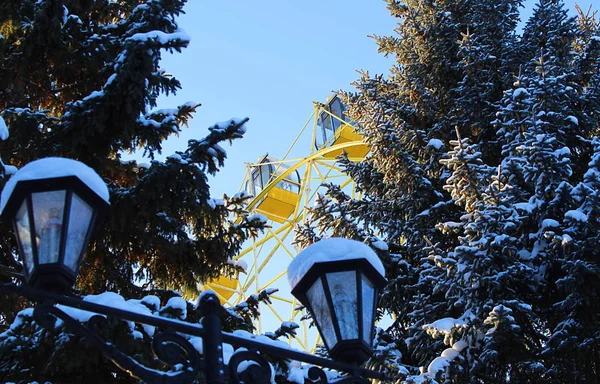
[(267, 257)]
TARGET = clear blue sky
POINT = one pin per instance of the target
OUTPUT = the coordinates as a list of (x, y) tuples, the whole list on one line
[(268, 60)]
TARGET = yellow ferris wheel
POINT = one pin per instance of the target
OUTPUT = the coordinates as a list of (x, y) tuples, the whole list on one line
[(282, 188)]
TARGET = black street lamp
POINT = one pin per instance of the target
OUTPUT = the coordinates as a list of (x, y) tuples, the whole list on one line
[(56, 204), (338, 280)]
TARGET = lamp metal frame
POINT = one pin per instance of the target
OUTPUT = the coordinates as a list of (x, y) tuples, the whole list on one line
[(55, 276), (356, 350)]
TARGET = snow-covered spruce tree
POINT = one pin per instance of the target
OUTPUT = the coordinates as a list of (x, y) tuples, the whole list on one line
[(81, 80), (486, 61), (555, 152), (550, 29), (485, 283), (492, 282)]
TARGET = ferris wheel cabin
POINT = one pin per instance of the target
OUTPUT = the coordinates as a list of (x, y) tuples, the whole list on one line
[(281, 186), (334, 127)]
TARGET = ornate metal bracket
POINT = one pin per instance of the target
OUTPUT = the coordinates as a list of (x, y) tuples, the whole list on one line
[(245, 366), (168, 347)]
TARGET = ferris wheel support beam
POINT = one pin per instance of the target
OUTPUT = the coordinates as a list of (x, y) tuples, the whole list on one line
[(257, 269)]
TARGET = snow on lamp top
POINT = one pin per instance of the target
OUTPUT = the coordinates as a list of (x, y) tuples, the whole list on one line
[(333, 249), (50, 167)]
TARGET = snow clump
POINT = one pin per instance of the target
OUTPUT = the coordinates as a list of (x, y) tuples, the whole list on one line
[(332, 249), (56, 167)]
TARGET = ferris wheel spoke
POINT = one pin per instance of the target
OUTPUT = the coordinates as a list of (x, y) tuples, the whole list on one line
[(282, 299), (257, 269), (276, 278), (262, 241)]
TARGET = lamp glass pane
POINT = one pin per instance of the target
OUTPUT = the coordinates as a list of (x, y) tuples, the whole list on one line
[(342, 286), (368, 300), (48, 212), (321, 312), (80, 217), (23, 231)]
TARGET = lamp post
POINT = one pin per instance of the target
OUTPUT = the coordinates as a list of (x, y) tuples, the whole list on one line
[(338, 281), (56, 204)]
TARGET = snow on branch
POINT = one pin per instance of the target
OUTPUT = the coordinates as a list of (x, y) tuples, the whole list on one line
[(445, 326), (208, 152), (162, 37), (439, 364)]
